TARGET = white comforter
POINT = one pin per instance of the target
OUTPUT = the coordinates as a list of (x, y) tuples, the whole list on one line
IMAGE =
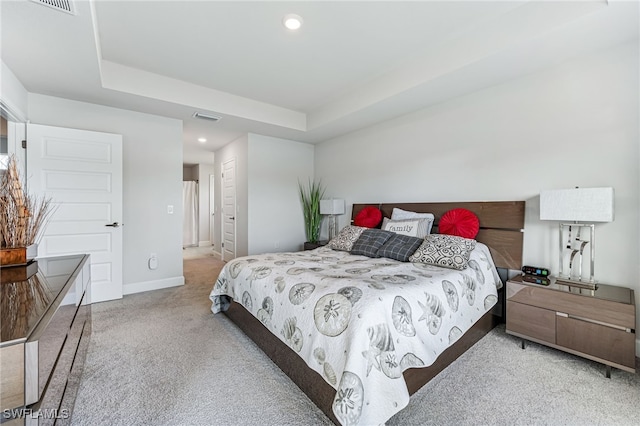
[(360, 322)]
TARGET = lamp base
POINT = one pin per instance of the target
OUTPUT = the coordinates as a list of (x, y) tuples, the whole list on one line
[(333, 226)]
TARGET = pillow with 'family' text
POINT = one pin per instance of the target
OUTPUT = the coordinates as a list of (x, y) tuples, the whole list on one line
[(411, 227), (399, 214)]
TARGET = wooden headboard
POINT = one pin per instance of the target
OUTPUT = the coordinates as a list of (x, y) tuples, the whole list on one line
[(501, 224)]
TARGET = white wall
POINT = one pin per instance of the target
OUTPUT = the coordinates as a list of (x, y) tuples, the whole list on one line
[(276, 166), (152, 180), (13, 94), (576, 124), (237, 149)]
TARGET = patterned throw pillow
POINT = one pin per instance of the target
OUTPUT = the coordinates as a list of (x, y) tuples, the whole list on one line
[(345, 239), (399, 247), (370, 241), (447, 251), (413, 227)]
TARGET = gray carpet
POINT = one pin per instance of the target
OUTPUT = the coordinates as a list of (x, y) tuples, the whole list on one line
[(163, 358)]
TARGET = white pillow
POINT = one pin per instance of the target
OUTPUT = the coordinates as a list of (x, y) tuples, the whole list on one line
[(399, 214), (411, 227)]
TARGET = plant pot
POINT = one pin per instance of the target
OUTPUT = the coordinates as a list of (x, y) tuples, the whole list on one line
[(18, 273), (17, 256), (310, 246)]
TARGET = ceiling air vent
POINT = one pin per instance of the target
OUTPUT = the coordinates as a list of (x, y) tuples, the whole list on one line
[(61, 5), (204, 116)]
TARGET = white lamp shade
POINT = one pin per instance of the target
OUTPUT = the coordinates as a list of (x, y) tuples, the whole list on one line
[(578, 204), (332, 206)]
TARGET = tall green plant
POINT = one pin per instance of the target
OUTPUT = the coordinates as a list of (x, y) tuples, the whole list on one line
[(310, 198)]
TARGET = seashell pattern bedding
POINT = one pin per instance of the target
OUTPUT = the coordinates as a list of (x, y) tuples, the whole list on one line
[(359, 321)]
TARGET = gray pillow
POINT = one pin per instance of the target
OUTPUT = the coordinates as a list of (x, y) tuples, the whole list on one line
[(370, 241), (345, 239), (399, 247), (447, 251)]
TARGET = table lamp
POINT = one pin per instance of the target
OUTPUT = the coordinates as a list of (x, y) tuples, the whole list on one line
[(332, 208), (581, 206)]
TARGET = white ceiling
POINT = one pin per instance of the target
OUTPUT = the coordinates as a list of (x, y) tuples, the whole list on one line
[(353, 63)]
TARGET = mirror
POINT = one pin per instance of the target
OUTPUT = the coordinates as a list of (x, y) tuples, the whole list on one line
[(4, 144), (12, 133)]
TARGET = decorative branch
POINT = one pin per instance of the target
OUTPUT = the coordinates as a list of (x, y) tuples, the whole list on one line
[(22, 217)]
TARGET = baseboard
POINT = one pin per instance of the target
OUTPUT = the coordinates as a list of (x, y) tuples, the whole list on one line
[(204, 243), (217, 255), (152, 285)]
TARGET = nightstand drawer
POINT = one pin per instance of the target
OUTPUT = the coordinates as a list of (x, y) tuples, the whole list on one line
[(537, 323), (576, 304), (597, 340)]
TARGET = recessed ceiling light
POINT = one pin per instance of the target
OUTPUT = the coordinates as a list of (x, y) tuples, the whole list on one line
[(292, 21), (202, 140)]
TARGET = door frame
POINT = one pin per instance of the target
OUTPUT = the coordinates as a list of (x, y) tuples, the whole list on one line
[(212, 208), (235, 208)]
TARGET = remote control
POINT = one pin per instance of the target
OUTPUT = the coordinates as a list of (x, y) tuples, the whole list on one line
[(536, 271)]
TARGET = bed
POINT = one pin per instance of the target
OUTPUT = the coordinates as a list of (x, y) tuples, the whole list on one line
[(360, 334)]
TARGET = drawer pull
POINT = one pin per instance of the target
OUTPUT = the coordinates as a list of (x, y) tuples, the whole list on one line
[(592, 321)]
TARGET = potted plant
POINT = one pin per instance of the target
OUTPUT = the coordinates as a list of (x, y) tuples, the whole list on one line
[(310, 198), (22, 218)]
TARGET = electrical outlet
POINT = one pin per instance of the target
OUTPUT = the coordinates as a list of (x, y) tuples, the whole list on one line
[(153, 261), (276, 244)]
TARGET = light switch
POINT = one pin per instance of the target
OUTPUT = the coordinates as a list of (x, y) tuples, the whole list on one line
[(170, 209)]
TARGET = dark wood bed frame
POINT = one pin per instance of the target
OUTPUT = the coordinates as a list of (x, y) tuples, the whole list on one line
[(501, 229)]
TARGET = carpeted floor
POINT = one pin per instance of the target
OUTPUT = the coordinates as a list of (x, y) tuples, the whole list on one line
[(162, 358), (189, 253)]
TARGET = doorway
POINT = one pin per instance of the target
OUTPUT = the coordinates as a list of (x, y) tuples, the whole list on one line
[(190, 213)]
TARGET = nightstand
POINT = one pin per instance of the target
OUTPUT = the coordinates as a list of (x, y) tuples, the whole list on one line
[(595, 324), (311, 246)]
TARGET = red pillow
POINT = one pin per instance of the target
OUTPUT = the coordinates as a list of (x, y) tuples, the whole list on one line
[(368, 217), (459, 222)]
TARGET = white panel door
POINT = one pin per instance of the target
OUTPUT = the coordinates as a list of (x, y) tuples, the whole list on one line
[(212, 207), (229, 209), (81, 171)]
